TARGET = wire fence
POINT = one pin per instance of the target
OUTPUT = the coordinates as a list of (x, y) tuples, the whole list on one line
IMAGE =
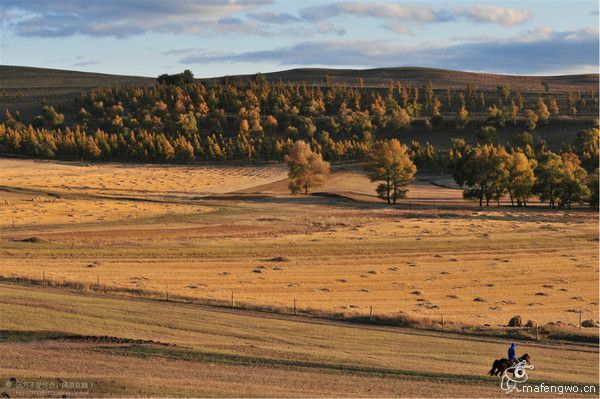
[(367, 314)]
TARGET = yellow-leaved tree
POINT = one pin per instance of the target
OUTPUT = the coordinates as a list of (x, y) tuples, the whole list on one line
[(389, 163), (307, 168)]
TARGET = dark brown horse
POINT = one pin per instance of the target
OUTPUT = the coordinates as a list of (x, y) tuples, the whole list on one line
[(500, 365)]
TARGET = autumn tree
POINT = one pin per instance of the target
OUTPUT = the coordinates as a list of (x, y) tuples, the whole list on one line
[(503, 91), (307, 169), (388, 162), (462, 118), (542, 111), (573, 183), (520, 178), (553, 106), (531, 119)]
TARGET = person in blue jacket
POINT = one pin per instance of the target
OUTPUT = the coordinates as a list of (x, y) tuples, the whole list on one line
[(512, 353)]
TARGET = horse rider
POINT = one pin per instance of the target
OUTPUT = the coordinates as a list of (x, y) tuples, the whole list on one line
[(512, 353)]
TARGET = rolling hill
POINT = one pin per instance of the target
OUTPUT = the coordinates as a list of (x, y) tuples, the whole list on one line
[(440, 78), (26, 89)]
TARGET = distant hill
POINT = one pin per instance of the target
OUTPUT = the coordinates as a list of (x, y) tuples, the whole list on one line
[(440, 78), (25, 88)]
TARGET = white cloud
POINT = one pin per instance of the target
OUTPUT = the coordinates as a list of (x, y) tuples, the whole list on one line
[(418, 13), (120, 18), (496, 15), (398, 27)]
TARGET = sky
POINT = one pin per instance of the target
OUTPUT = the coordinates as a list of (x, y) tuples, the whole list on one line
[(229, 37)]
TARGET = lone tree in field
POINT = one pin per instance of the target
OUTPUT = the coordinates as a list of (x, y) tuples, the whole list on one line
[(389, 162), (307, 168)]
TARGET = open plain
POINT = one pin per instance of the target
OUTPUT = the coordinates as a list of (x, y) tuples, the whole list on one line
[(340, 251)]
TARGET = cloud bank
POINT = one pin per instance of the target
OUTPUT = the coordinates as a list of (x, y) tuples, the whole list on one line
[(120, 18), (538, 51), (124, 18)]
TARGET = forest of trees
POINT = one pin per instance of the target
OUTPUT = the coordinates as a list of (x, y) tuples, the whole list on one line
[(180, 120), (488, 172)]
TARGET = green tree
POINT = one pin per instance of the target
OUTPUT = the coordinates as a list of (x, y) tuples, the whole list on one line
[(549, 173), (593, 187), (586, 145), (487, 135), (484, 171)]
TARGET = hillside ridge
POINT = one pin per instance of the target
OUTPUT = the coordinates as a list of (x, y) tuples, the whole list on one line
[(11, 75)]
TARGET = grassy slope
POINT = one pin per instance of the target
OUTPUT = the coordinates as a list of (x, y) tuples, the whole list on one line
[(218, 352)]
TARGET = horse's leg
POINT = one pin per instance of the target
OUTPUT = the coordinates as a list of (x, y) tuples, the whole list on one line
[(494, 366), (501, 368)]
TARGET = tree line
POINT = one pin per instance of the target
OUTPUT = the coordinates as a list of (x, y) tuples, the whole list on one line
[(487, 172), (179, 106)]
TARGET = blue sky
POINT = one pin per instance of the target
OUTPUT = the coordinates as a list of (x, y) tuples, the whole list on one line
[(226, 37)]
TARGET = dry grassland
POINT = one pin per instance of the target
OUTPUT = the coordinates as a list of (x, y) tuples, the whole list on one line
[(132, 347), (150, 228)]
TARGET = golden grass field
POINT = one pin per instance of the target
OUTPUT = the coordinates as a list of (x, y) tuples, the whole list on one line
[(92, 344), (208, 232)]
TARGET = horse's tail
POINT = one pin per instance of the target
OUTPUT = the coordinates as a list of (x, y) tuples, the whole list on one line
[(494, 367)]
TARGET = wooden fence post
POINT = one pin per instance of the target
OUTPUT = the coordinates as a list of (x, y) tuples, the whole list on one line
[(167, 292), (232, 302), (580, 311), (537, 331), (44, 277), (294, 306), (370, 313), (443, 324)]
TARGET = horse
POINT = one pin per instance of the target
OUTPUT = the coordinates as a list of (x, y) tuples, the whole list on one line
[(500, 365)]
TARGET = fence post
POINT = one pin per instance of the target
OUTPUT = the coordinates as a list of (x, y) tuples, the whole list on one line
[(537, 331), (580, 317), (232, 302), (294, 306), (167, 292), (98, 282), (44, 277), (370, 313), (443, 324)]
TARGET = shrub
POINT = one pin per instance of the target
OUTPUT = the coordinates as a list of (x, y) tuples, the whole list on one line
[(515, 321)]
